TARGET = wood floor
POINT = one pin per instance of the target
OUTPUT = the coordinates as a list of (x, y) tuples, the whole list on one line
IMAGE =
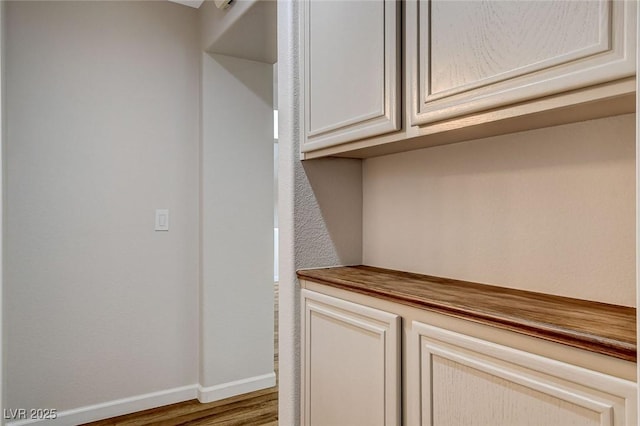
[(256, 409)]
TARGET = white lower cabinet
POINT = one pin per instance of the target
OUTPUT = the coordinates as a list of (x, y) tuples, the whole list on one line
[(351, 363), (455, 379), (357, 370)]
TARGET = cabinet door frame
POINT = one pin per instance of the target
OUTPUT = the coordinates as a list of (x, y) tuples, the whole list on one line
[(576, 385), (386, 120), (370, 320), (612, 58)]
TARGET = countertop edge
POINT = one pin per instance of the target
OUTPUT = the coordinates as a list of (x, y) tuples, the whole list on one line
[(548, 331)]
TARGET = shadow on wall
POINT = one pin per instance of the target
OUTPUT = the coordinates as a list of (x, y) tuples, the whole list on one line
[(333, 211), (570, 145), (237, 69)]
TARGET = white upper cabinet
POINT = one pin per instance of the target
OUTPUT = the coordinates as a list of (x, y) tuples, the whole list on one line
[(470, 69), (349, 70), (471, 56)]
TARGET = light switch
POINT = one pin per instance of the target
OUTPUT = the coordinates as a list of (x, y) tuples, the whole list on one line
[(162, 220)]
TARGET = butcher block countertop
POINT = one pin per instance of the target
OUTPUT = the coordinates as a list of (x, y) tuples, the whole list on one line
[(596, 327)]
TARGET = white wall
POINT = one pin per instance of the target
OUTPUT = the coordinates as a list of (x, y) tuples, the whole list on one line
[(2, 195), (549, 210), (237, 227), (247, 29), (215, 23), (103, 128)]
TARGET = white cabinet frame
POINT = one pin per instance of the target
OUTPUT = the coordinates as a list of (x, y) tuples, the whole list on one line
[(385, 120), (354, 318), (610, 59), (594, 391)]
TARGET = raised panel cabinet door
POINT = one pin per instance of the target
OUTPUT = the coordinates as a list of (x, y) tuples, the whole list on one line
[(350, 70), (472, 56), (351, 363), (467, 381)]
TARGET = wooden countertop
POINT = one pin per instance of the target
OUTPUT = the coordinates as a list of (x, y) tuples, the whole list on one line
[(597, 327)]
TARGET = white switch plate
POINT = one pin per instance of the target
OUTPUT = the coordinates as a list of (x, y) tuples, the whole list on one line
[(162, 220)]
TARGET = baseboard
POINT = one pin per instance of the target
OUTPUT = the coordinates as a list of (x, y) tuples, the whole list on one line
[(133, 404), (239, 387), (115, 408)]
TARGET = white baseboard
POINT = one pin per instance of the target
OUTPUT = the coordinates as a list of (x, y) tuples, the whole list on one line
[(115, 408), (239, 387), (133, 404)]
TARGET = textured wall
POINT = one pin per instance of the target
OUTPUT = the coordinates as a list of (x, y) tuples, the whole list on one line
[(103, 128), (320, 212), (549, 210)]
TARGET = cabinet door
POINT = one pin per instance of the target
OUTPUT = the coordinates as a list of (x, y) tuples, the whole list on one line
[(466, 381), (351, 363), (471, 56), (351, 79)]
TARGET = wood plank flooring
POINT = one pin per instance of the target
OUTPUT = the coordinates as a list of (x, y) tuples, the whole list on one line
[(256, 409)]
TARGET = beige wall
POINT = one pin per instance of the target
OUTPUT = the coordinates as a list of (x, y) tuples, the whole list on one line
[(549, 210), (103, 128)]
